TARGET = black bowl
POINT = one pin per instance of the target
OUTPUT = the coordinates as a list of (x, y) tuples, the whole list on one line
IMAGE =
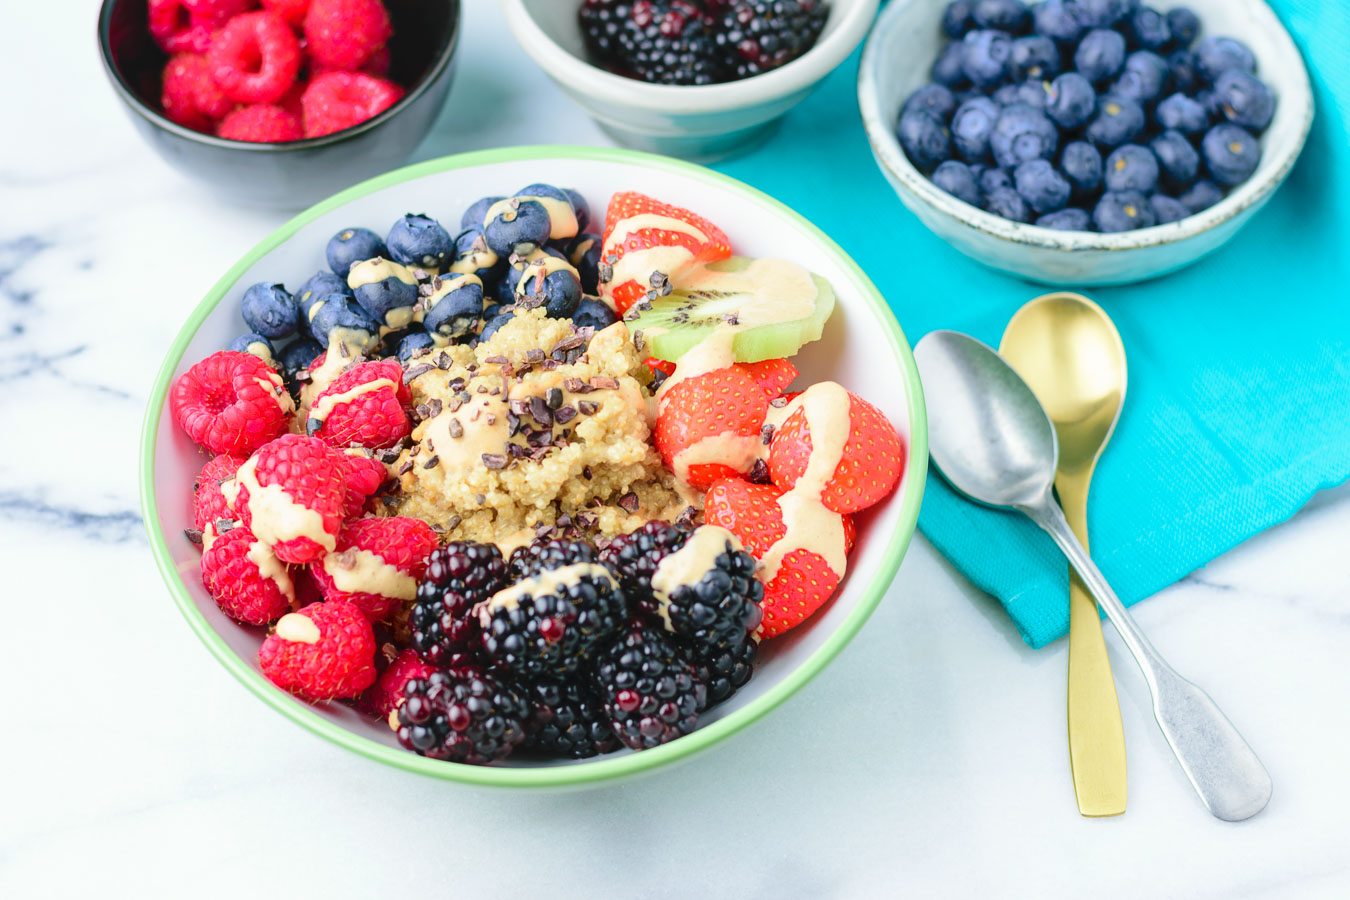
[(296, 173)]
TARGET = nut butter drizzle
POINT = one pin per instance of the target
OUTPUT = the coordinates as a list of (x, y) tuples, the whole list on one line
[(546, 582), (276, 517), (356, 570)]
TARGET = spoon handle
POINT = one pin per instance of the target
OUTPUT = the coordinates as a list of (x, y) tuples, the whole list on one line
[(1223, 769)]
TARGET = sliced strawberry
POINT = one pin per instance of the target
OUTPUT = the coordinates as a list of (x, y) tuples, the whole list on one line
[(869, 467), (665, 367), (708, 426), (771, 374), (657, 241)]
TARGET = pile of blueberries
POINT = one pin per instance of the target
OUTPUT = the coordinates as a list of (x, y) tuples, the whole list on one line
[(1086, 115), (463, 287)]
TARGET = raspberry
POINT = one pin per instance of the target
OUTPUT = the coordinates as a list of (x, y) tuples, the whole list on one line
[(376, 564), (260, 124), (208, 503), (245, 578), (363, 407), (231, 402), (188, 25), (365, 476), (293, 11), (291, 494), (386, 695), (322, 652), (463, 715), (337, 100), (189, 95), (255, 58), (345, 34)]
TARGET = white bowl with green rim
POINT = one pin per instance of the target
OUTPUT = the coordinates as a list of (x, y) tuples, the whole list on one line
[(863, 348)]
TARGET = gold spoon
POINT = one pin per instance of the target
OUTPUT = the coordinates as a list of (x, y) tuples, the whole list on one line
[(1067, 350)]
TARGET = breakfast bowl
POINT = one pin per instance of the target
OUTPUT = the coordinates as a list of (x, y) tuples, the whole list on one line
[(290, 174), (862, 348), (702, 123), (896, 61)]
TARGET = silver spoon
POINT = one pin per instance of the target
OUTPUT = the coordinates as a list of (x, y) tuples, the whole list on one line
[(992, 440)]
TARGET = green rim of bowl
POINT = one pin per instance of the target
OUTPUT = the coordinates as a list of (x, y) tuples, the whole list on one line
[(603, 768)]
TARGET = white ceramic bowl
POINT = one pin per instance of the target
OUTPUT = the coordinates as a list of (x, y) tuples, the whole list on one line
[(700, 123), (896, 60), (862, 348)]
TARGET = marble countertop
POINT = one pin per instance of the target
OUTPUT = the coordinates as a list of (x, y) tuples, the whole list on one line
[(929, 759)]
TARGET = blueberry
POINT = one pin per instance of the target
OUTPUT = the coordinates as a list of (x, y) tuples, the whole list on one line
[(1122, 211), (1184, 26), (1177, 159), (385, 290), (993, 179), (1007, 203), (1201, 195), (1100, 55), (414, 343), (1082, 165), (1148, 29), (1022, 133), (1209, 101), (506, 286), (925, 139), (1131, 168), (1181, 72), (1102, 13), (1167, 209), (454, 305), (971, 126), (496, 322), (583, 252), (1216, 55), (269, 310), (592, 313), (1119, 120), (956, 20), (1044, 188), (1071, 101), (1069, 219), (931, 98), (1005, 15), (1244, 100), (1056, 19), (1231, 154), (256, 344), (476, 214), (1035, 56), (551, 285), (1143, 78), (956, 179), (418, 240), (985, 56), (298, 355), (351, 245), (559, 205), (319, 283), (474, 257), (949, 68), (580, 207), (1181, 113), (519, 227), (341, 313)]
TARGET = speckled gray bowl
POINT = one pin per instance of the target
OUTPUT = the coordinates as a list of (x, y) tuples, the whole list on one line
[(895, 61)]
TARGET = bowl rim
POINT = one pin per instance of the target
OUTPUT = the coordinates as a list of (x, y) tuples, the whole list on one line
[(797, 75), (892, 160), (444, 55), (604, 768)]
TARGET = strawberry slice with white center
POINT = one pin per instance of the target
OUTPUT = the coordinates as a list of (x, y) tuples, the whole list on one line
[(648, 243)]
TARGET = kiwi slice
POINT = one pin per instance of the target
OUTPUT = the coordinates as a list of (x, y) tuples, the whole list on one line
[(773, 306)]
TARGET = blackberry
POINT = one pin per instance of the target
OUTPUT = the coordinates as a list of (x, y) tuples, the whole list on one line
[(459, 575), (701, 586), (660, 41), (542, 554), (548, 624), (727, 670), (652, 695), (756, 36), (462, 715), (568, 721)]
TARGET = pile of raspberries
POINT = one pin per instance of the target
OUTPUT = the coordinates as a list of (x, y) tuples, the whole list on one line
[(273, 70)]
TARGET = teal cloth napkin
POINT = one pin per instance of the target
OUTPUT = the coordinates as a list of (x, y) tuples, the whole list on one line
[(1239, 399)]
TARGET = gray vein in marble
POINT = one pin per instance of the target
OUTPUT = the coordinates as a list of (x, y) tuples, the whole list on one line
[(117, 526)]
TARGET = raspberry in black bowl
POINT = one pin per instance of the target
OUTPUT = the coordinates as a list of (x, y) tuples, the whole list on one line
[(1086, 115), (699, 42)]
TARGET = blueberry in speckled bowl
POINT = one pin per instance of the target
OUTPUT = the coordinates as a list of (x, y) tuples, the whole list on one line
[(1174, 73), (296, 173)]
